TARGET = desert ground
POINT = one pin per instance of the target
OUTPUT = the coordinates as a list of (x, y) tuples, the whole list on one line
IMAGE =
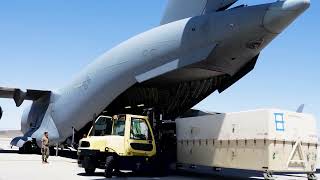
[(15, 166)]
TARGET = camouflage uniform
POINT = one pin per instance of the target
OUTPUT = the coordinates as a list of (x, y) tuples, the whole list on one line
[(45, 149)]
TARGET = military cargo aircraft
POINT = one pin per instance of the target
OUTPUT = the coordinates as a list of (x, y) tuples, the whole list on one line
[(198, 48)]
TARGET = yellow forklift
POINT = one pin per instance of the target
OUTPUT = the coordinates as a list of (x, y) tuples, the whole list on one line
[(123, 142)]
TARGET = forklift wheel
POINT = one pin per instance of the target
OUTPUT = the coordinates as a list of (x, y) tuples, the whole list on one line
[(160, 167), (109, 166), (90, 171)]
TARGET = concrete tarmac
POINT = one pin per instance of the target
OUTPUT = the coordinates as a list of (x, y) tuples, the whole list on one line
[(14, 166)]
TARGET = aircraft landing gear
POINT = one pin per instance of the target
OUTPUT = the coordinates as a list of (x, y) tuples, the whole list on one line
[(90, 171), (29, 148)]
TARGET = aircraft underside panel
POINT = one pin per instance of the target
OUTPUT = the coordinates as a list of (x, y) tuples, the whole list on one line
[(170, 102), (178, 98)]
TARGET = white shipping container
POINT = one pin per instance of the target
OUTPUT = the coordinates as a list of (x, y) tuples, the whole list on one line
[(262, 140)]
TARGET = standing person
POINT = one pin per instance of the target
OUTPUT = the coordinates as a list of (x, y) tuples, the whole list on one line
[(45, 148)]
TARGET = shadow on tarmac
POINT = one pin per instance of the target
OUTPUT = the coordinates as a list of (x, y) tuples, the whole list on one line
[(65, 153), (296, 175), (61, 153), (9, 151), (174, 175)]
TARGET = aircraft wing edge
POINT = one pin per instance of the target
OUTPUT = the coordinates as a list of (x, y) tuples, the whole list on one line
[(19, 96)]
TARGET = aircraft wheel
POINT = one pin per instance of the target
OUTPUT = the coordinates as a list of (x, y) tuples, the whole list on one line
[(90, 171), (29, 148), (109, 166)]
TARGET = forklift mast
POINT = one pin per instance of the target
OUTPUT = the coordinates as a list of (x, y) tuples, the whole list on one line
[(164, 133)]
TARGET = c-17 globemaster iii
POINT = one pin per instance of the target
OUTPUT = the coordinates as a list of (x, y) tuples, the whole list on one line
[(198, 48)]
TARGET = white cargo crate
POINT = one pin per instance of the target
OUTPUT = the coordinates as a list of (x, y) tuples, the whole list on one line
[(262, 140)]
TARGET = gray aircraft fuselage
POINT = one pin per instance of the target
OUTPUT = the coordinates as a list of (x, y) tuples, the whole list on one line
[(215, 46)]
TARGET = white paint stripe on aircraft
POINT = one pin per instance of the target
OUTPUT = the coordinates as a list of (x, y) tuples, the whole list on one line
[(158, 71)]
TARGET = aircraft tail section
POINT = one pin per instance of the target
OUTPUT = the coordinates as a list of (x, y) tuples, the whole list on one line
[(300, 108)]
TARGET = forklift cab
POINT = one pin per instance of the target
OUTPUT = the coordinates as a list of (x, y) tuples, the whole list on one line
[(135, 131), (125, 139)]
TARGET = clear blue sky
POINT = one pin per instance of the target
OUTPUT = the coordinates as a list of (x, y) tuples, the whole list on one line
[(44, 43)]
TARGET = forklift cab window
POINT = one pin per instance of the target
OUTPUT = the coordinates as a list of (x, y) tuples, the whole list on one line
[(119, 126), (102, 127), (139, 129)]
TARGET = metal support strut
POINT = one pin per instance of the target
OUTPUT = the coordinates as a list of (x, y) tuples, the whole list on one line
[(268, 175), (72, 140), (311, 176), (57, 149)]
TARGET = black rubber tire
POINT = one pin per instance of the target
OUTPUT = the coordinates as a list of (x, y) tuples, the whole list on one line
[(29, 148), (90, 171), (109, 167), (160, 167)]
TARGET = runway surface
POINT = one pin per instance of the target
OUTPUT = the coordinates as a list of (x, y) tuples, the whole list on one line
[(14, 166)]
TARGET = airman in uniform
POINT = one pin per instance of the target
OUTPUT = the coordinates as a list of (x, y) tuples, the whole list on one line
[(45, 148)]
